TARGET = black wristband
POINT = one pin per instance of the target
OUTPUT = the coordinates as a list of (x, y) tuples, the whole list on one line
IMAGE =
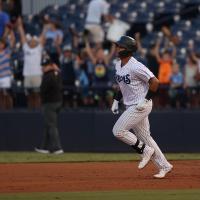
[(150, 94), (118, 95)]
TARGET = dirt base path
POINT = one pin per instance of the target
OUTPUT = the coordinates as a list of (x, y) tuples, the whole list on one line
[(63, 177)]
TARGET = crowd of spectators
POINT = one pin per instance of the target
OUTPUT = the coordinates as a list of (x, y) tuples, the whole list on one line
[(87, 63)]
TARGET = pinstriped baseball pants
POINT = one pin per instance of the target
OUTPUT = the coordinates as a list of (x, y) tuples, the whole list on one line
[(138, 121)]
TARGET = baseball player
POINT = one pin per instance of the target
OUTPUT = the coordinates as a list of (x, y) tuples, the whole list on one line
[(137, 87)]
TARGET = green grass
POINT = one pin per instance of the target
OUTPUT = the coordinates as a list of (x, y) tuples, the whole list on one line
[(114, 195), (30, 157)]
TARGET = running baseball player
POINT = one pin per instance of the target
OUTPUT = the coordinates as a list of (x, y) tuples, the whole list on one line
[(137, 87)]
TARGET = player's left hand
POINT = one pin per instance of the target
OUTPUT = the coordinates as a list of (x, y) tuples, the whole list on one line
[(115, 107), (142, 105)]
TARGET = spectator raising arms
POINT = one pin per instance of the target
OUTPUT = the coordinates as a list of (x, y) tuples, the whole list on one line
[(54, 38), (32, 71), (4, 22), (150, 54), (100, 62), (190, 82), (97, 10), (82, 80), (165, 61), (6, 75)]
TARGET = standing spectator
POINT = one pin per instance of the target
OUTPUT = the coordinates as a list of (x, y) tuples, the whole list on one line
[(6, 101), (190, 82), (54, 38), (68, 74), (165, 67), (67, 66), (197, 76), (82, 82), (150, 54), (100, 62), (51, 93), (97, 9), (32, 71), (165, 61), (151, 60), (4, 22), (176, 92)]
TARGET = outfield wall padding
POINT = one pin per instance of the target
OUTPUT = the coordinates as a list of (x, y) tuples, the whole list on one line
[(91, 131)]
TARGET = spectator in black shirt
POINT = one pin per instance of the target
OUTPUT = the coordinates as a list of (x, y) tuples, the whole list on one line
[(152, 61), (67, 66), (68, 75), (150, 55), (51, 95)]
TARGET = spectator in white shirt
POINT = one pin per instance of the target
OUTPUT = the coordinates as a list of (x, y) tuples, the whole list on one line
[(96, 10), (32, 71)]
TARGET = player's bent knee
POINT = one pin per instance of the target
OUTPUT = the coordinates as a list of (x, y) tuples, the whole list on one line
[(118, 132), (115, 130)]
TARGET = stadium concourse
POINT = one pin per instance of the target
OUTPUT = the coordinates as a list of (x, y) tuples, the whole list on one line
[(171, 26)]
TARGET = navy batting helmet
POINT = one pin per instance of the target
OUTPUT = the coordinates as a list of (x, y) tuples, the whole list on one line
[(128, 43)]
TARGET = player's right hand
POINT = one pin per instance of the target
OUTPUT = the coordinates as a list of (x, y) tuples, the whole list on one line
[(115, 107), (142, 105)]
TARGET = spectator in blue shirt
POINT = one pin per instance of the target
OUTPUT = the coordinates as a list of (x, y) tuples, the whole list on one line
[(4, 21), (54, 38), (176, 91), (6, 101), (82, 81)]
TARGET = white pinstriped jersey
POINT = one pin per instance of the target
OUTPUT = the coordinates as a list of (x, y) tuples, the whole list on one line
[(133, 80)]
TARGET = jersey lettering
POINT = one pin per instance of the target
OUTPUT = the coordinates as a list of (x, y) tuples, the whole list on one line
[(125, 78)]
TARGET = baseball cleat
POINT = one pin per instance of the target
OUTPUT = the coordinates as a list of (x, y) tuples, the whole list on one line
[(146, 156), (44, 151), (57, 152), (163, 172)]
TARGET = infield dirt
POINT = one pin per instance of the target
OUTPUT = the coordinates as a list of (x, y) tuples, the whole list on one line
[(95, 176)]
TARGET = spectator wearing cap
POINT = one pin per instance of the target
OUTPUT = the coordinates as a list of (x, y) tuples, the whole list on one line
[(68, 74), (4, 22), (32, 71), (97, 9), (51, 95)]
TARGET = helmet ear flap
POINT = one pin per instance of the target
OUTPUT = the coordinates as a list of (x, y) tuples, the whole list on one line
[(133, 48), (125, 53)]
